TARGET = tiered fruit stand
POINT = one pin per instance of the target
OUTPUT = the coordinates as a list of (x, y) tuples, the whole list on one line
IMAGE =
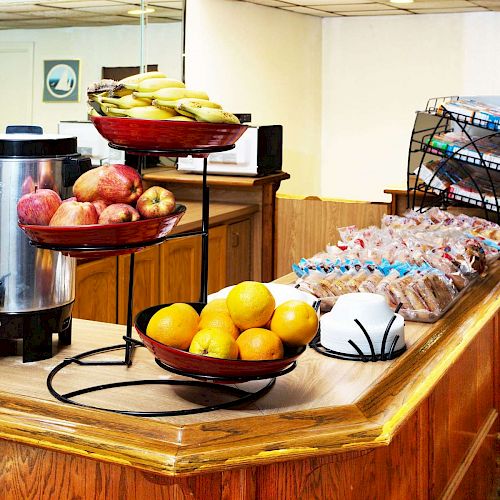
[(217, 380)]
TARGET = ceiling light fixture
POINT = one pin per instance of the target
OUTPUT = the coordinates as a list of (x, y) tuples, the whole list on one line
[(138, 12)]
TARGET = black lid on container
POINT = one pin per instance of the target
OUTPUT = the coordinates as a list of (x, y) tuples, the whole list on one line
[(36, 146)]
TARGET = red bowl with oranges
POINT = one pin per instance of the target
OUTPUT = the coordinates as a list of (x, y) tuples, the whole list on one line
[(206, 366), (103, 240)]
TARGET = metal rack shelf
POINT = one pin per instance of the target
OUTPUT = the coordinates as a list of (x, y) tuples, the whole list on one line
[(421, 143)]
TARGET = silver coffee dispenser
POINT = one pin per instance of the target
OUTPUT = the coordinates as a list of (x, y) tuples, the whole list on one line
[(37, 286)]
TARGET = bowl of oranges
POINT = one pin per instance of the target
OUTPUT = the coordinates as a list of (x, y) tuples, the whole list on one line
[(246, 333)]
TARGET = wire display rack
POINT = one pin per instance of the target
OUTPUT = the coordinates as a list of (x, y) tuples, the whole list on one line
[(469, 157), (217, 384)]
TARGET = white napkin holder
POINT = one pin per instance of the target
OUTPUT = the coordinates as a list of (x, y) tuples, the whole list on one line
[(362, 326)]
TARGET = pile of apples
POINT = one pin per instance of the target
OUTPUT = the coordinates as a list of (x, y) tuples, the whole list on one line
[(110, 194)]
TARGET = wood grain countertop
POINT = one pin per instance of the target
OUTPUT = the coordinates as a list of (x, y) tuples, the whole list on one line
[(324, 406), (166, 175)]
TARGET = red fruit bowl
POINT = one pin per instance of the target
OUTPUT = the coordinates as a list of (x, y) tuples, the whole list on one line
[(103, 240), (164, 135), (206, 366)]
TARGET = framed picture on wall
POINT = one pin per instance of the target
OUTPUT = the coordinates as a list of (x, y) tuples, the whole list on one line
[(61, 80)]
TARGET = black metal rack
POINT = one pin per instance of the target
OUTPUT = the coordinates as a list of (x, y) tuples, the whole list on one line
[(213, 383), (470, 157)]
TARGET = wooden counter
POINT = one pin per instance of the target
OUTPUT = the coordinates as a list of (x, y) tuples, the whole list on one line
[(236, 189), (420, 426)]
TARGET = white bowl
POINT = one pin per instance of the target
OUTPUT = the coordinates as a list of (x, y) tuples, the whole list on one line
[(281, 293), (373, 312)]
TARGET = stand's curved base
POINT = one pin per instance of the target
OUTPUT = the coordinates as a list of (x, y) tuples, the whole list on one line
[(241, 396)]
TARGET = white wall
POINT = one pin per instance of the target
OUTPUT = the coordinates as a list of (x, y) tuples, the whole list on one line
[(266, 62), (377, 71), (95, 47)]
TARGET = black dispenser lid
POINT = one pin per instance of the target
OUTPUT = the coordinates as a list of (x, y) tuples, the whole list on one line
[(22, 145)]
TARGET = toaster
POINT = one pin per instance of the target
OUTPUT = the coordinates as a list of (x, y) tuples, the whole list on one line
[(257, 152)]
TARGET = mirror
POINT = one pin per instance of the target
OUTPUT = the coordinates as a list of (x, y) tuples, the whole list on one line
[(48, 49)]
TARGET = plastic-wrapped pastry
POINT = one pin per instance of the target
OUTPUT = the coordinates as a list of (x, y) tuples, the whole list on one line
[(370, 284)]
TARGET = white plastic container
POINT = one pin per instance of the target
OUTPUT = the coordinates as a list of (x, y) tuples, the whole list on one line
[(338, 326)]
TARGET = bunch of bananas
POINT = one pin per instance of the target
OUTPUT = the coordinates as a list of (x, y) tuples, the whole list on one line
[(153, 96)]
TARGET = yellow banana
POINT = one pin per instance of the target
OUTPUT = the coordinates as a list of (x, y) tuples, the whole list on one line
[(144, 112), (152, 84), (139, 77), (198, 103), (109, 109), (192, 100), (127, 102), (170, 105), (173, 94), (210, 115), (180, 119), (120, 91)]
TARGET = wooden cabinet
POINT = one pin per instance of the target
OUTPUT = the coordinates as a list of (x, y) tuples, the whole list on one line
[(180, 270), (239, 260), (217, 258), (96, 287), (166, 273), (180, 266), (146, 281)]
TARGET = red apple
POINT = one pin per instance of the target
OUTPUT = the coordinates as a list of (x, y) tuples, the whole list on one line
[(118, 212), (73, 198), (74, 213), (100, 205), (110, 183), (38, 207), (156, 202)]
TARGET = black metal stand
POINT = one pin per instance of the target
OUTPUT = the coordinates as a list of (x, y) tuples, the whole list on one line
[(421, 144), (241, 396), (212, 383)]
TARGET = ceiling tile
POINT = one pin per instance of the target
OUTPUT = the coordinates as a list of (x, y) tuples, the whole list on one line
[(173, 5), (62, 13), (271, 3), (442, 10), (334, 3), (310, 3), (358, 7), (12, 16), (304, 10), (18, 7), (120, 9), (77, 3), (394, 12), (488, 3), (436, 4)]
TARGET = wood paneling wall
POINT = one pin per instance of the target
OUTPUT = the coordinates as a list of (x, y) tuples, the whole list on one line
[(306, 225)]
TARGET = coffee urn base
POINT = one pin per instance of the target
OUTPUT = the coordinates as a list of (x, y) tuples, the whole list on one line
[(34, 331)]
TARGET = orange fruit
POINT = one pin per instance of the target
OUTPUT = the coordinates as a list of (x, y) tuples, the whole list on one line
[(250, 304), (216, 305), (258, 344), (174, 325), (215, 343), (295, 322), (219, 320)]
